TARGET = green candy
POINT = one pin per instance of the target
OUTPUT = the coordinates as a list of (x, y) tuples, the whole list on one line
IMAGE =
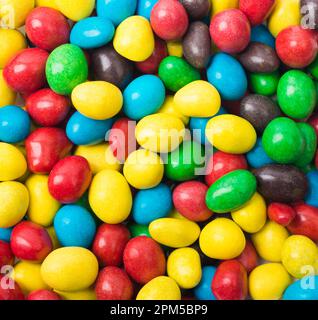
[(137, 230), (296, 94), (313, 68), (310, 138), (176, 73), (182, 163), (283, 141), (66, 68), (231, 191), (264, 83)]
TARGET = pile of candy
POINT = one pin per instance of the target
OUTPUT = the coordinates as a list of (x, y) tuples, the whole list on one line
[(122, 177)]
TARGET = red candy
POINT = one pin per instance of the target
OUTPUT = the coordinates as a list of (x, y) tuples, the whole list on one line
[(281, 213), (43, 295), (313, 121), (297, 47), (230, 30), (169, 19), (25, 72), (113, 284), (30, 241), (47, 28), (144, 259), (316, 160), (248, 258), (6, 256), (109, 244), (230, 281), (256, 11), (151, 65), (69, 179), (47, 108), (222, 163), (45, 147), (189, 200), (9, 289)]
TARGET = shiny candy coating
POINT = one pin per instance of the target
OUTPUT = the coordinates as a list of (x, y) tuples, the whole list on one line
[(7, 95), (296, 291), (144, 7), (311, 198), (6, 257), (261, 34), (256, 12), (75, 11), (203, 290), (281, 213), (196, 9), (264, 83)]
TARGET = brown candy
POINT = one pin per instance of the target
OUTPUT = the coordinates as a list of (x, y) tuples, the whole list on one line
[(196, 9)]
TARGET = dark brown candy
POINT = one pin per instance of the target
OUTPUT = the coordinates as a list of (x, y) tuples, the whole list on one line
[(109, 66), (259, 111), (259, 58), (309, 11), (281, 183), (196, 9), (197, 45)]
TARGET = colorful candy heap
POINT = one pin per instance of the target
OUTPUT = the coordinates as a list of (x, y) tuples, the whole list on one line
[(122, 177)]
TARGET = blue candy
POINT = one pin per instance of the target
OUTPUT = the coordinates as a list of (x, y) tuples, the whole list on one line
[(228, 76), (92, 32), (304, 289), (257, 157), (74, 226), (261, 34), (5, 234), (116, 10), (312, 196), (15, 124), (143, 96), (85, 131), (144, 7), (203, 290), (152, 204)]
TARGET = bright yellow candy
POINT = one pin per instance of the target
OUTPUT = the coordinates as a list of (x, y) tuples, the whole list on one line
[(184, 266), (269, 241), (143, 169), (198, 99), (53, 236), (268, 281), (12, 162), (284, 15), (14, 12), (7, 95), (99, 157), (46, 3), (221, 5), (87, 294), (160, 132), (299, 256), (110, 196), (43, 206), (11, 42), (14, 199), (176, 215), (99, 100), (175, 48), (230, 133), (70, 269), (76, 10), (169, 107), (28, 276), (160, 288), (134, 39), (252, 216), (175, 233), (222, 239)]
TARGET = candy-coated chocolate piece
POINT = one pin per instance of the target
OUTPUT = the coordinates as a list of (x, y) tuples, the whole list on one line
[(203, 290), (281, 213), (75, 10), (43, 295), (248, 258), (197, 9), (256, 11), (6, 255)]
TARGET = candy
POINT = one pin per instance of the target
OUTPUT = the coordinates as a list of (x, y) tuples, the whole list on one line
[(175, 48), (86, 294), (46, 3), (144, 7), (264, 83), (75, 11), (13, 294), (196, 9), (257, 157), (248, 258), (261, 34), (43, 295), (297, 290), (169, 107), (311, 198), (256, 12), (7, 95), (184, 267), (281, 213), (6, 256), (203, 290)]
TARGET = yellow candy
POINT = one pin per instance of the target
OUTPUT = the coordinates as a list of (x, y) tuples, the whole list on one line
[(11, 42), (87, 294), (7, 95), (70, 269), (12, 162), (268, 281), (160, 288), (99, 100), (76, 10), (53, 237), (46, 3), (221, 5), (143, 169), (175, 48), (175, 233), (160, 132), (299, 256), (14, 199), (169, 107), (28, 276), (184, 266), (284, 15), (252, 216), (176, 215), (134, 39), (198, 99), (231, 134), (222, 239), (43, 206), (14, 12), (110, 196), (99, 157), (269, 241)]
